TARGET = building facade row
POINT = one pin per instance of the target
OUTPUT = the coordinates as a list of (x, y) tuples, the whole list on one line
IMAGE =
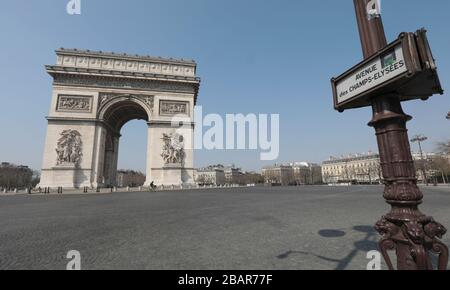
[(357, 168), (298, 173), (226, 175)]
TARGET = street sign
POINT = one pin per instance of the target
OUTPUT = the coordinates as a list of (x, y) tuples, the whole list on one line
[(405, 67)]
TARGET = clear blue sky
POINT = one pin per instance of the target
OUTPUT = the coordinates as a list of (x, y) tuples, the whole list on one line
[(266, 56)]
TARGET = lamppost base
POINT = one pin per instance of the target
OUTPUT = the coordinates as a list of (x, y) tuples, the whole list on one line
[(415, 240), (413, 235)]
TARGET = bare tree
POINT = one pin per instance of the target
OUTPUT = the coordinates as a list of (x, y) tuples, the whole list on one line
[(441, 165), (444, 147), (253, 178), (13, 176)]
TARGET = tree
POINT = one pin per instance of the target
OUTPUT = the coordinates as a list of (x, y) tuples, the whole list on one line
[(440, 165), (253, 178), (444, 147), (13, 176), (326, 177), (36, 178), (271, 177), (373, 171)]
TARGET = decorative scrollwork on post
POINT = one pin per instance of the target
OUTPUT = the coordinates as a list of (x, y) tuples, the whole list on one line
[(173, 149), (414, 239), (69, 148)]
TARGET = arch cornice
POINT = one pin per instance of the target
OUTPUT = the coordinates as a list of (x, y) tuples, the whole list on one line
[(75, 77)]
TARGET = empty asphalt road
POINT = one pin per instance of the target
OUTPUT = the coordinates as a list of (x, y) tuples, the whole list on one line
[(251, 228)]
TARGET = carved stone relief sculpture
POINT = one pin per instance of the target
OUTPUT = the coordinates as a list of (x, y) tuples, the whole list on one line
[(69, 148), (74, 103), (174, 108), (106, 97), (173, 148)]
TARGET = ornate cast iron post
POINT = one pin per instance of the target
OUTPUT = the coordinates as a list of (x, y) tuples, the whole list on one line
[(413, 235)]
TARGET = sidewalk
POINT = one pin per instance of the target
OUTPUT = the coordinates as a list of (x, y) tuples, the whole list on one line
[(54, 191)]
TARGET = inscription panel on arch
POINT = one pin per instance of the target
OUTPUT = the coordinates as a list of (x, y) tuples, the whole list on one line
[(172, 108), (74, 103)]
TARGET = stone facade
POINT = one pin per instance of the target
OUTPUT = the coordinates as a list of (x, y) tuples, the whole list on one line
[(279, 175), (234, 175), (210, 176), (297, 173), (307, 173), (95, 94), (357, 168)]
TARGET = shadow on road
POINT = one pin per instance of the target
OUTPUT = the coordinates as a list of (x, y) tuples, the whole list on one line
[(368, 243)]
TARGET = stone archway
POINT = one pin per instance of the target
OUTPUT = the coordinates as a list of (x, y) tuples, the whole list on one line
[(116, 110), (95, 94)]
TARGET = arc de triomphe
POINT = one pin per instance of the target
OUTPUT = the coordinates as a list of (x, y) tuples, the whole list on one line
[(95, 94)]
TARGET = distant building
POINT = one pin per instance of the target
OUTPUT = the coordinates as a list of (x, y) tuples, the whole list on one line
[(297, 173), (210, 176), (355, 168), (234, 175), (365, 168), (279, 175), (130, 178), (307, 173), (231, 175), (425, 156)]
